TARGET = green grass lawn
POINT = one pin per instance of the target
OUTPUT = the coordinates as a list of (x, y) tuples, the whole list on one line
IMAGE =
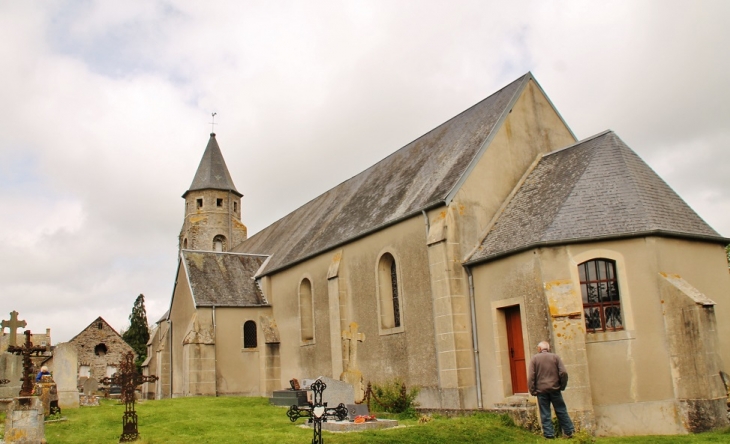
[(253, 420)]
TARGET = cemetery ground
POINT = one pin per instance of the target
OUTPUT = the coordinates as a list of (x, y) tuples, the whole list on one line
[(253, 420)]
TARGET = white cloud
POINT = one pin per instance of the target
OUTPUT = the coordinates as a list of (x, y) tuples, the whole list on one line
[(106, 106)]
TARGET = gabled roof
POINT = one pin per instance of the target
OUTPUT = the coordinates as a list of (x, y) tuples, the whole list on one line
[(421, 175), (94, 323), (223, 279), (594, 190), (212, 172)]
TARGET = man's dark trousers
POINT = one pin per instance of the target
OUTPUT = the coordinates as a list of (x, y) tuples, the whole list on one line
[(561, 411)]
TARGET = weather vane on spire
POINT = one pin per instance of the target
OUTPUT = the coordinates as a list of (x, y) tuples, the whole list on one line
[(212, 129)]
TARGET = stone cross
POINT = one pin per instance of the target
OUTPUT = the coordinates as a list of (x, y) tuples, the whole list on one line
[(13, 324), (26, 350), (353, 337), (128, 378)]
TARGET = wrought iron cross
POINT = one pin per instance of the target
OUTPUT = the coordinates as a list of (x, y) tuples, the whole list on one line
[(12, 325), (317, 411), (128, 378), (27, 350)]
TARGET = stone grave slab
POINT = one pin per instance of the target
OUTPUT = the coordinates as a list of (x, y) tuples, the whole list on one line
[(65, 375), (11, 367), (288, 398), (347, 426), (91, 387), (354, 410), (24, 421), (337, 392)]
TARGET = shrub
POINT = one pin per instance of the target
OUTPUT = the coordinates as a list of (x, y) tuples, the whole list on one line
[(392, 397)]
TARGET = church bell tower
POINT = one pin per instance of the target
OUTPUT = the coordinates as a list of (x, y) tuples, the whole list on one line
[(212, 206)]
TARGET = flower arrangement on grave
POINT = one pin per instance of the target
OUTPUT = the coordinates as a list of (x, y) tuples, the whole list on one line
[(359, 419)]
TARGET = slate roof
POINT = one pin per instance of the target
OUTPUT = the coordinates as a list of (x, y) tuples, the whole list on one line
[(419, 176), (223, 279), (212, 171), (596, 189)]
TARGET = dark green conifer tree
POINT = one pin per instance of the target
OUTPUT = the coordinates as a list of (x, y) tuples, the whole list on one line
[(138, 332)]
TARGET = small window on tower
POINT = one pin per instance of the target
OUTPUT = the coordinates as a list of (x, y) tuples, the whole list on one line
[(235, 207), (100, 326), (200, 203), (219, 202)]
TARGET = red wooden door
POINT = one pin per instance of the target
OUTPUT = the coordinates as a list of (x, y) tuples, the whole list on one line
[(517, 366)]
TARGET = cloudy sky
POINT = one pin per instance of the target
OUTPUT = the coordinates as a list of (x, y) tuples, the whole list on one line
[(106, 109)]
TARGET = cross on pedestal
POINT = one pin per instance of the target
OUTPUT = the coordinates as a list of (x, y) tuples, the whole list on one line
[(317, 411), (352, 337), (13, 324), (128, 378), (27, 350)]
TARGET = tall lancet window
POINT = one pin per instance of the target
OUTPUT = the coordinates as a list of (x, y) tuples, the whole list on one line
[(390, 294)]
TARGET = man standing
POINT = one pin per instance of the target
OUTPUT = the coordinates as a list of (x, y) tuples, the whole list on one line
[(546, 378)]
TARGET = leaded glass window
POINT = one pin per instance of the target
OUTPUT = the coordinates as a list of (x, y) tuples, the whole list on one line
[(394, 284), (601, 299), (250, 339)]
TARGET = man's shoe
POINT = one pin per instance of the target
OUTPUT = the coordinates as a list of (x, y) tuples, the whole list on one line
[(549, 437)]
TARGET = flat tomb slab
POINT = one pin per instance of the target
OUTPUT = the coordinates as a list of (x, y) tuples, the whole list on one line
[(288, 398), (347, 426)]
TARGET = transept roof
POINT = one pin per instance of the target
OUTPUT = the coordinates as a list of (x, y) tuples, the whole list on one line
[(223, 279), (594, 190)]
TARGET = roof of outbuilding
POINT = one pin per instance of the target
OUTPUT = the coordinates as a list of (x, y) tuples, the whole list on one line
[(212, 171), (418, 176), (223, 279), (596, 189)]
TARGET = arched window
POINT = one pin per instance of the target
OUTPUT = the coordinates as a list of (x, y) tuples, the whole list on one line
[(250, 339), (219, 243), (185, 244), (601, 299), (306, 311), (390, 300)]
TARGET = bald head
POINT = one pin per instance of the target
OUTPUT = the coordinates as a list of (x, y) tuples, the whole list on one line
[(543, 346)]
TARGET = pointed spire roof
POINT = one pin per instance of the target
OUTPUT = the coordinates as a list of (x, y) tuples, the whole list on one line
[(212, 172), (597, 189)]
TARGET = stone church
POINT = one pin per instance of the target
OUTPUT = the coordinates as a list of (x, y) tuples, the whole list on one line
[(456, 255)]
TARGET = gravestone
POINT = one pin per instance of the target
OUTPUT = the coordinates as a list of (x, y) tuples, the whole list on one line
[(24, 421), (91, 387), (47, 391), (352, 373), (11, 368), (65, 374), (354, 410), (338, 392)]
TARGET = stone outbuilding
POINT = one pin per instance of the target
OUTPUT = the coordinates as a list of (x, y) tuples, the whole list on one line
[(99, 350)]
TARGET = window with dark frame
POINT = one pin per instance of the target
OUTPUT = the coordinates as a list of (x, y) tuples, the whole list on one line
[(394, 284), (219, 202), (249, 335), (601, 299), (199, 203)]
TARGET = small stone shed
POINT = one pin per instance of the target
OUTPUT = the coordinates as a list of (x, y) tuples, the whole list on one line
[(99, 349)]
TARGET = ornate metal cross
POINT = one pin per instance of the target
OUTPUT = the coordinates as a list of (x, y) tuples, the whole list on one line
[(12, 325), (317, 411), (27, 350), (128, 378)]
